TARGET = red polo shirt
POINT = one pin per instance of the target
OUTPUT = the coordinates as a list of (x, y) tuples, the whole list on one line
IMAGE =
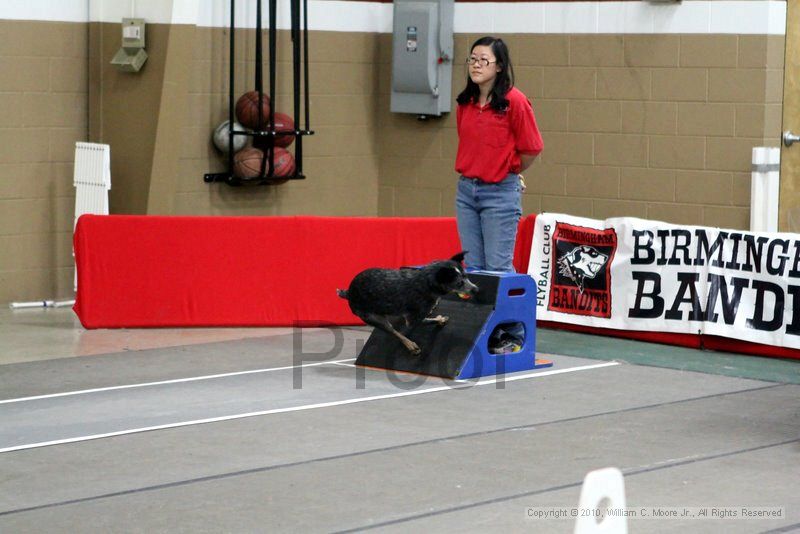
[(489, 143)]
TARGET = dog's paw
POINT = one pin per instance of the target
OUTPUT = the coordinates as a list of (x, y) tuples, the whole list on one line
[(414, 349), (440, 320)]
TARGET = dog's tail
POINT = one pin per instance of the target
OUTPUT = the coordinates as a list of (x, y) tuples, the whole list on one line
[(342, 293)]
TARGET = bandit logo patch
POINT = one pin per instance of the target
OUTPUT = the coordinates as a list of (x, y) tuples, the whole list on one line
[(581, 281), (580, 263)]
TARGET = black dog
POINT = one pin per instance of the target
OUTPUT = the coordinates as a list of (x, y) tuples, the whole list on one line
[(379, 295)]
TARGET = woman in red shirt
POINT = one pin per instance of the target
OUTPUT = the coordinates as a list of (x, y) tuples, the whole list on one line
[(497, 140)]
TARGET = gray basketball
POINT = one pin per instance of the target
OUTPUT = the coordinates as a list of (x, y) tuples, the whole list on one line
[(220, 137)]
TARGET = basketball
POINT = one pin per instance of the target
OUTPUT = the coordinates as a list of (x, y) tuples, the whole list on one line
[(247, 164), (220, 137), (284, 162), (247, 109), (283, 123)]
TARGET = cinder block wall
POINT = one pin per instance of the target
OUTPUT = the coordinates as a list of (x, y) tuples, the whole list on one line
[(655, 126), (43, 112)]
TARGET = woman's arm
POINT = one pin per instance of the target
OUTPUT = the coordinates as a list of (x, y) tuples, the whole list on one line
[(526, 160)]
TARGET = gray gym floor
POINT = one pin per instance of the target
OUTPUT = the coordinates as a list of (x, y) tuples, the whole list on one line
[(274, 430)]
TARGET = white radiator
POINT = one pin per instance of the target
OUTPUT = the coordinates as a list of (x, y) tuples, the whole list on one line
[(92, 179)]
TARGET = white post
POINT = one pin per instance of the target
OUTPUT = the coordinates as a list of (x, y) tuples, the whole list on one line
[(764, 189)]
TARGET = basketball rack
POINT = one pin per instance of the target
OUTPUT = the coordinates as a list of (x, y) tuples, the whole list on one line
[(267, 172)]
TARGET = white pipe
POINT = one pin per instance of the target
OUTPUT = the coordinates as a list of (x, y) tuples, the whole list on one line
[(41, 304), (34, 304)]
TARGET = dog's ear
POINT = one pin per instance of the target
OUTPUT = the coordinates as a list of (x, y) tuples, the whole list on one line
[(460, 256), (446, 275)]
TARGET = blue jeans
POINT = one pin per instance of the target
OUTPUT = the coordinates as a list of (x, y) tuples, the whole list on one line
[(488, 215)]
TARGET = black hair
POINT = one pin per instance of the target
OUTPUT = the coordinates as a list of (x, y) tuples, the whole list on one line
[(503, 82)]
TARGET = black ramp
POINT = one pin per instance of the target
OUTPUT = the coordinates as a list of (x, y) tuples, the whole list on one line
[(460, 349), (444, 348)]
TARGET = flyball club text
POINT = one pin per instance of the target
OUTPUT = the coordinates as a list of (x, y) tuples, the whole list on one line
[(734, 252)]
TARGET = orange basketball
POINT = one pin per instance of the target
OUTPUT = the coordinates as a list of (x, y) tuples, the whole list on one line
[(247, 162), (284, 162), (247, 110), (284, 166), (283, 123)]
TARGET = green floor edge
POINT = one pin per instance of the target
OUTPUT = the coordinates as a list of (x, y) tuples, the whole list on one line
[(562, 342)]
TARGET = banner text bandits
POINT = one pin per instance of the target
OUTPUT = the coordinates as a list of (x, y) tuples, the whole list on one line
[(676, 247)]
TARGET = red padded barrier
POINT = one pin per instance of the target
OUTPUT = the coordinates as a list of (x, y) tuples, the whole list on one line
[(522, 247), (154, 271)]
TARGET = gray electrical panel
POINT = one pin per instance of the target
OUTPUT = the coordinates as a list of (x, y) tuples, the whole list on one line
[(422, 57)]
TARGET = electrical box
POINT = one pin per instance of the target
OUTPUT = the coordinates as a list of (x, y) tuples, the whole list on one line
[(422, 57), (131, 57)]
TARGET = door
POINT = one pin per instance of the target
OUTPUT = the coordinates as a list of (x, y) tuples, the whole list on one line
[(789, 203)]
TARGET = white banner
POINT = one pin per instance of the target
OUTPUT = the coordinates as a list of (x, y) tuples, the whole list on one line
[(634, 274)]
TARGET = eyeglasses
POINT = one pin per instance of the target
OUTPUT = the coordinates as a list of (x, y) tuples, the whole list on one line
[(482, 61)]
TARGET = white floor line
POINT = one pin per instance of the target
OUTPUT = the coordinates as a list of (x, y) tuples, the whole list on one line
[(343, 363), (481, 382), (173, 381)]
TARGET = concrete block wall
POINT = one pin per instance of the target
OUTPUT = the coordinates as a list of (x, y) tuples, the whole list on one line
[(654, 126), (43, 112)]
